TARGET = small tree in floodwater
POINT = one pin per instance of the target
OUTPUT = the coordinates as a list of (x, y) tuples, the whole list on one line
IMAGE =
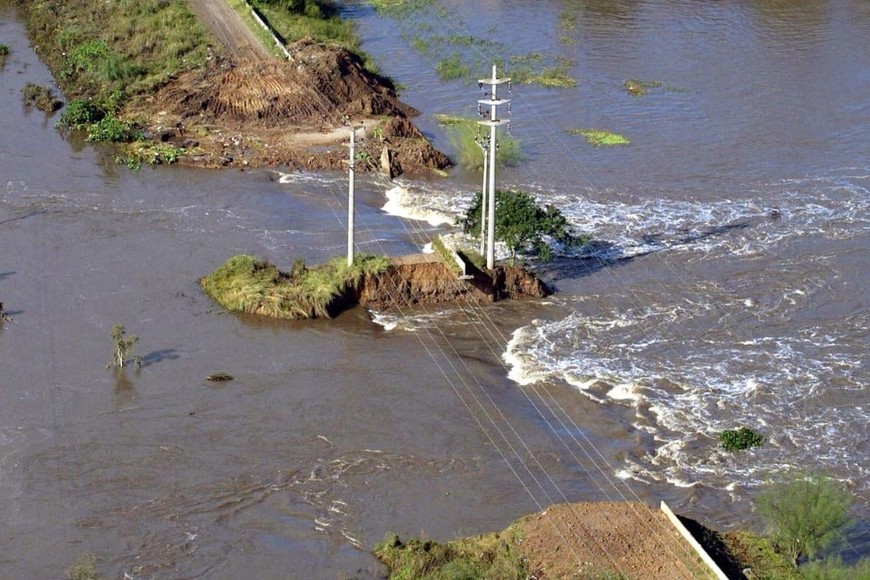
[(123, 347), (522, 224)]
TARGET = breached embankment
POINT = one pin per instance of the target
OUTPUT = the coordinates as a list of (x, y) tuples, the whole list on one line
[(247, 284)]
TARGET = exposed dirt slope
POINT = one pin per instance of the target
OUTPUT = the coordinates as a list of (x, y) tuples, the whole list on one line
[(592, 540)]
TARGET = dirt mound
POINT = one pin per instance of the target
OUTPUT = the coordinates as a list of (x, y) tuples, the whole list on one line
[(322, 85), (290, 113)]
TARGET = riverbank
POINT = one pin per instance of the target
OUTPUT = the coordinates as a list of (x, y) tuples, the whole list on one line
[(196, 98)]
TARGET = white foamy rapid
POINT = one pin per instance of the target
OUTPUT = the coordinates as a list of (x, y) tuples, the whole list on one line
[(780, 347), (417, 204)]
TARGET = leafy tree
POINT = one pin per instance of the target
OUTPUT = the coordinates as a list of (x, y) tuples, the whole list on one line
[(522, 224), (123, 347), (805, 515)]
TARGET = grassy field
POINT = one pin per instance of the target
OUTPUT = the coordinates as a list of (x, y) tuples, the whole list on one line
[(247, 284), (95, 47)]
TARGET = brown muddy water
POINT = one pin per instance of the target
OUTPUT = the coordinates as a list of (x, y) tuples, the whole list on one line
[(728, 287)]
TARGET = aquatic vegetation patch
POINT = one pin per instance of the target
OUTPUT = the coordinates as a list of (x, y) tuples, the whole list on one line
[(150, 153), (537, 69), (465, 134), (494, 555), (740, 439), (639, 88), (247, 284), (4, 53), (220, 377), (452, 68), (600, 138), (41, 97)]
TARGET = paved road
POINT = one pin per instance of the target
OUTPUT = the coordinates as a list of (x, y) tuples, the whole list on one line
[(229, 28)]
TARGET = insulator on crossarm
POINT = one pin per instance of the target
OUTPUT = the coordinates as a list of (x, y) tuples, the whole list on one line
[(479, 110), (510, 87), (509, 106)]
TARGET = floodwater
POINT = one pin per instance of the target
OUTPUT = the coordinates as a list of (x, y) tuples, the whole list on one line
[(728, 287)]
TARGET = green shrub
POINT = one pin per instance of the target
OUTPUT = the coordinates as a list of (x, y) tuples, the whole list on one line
[(521, 224), (805, 515), (85, 568), (740, 439), (80, 113), (113, 130)]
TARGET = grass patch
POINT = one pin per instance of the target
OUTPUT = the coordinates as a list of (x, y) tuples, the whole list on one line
[(41, 97), (535, 68), (94, 47), (445, 254), (600, 138), (400, 9), (757, 553), (488, 556), (247, 284), (4, 52), (452, 68), (740, 439), (463, 133)]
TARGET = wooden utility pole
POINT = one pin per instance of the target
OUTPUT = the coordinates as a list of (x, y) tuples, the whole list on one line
[(493, 122)]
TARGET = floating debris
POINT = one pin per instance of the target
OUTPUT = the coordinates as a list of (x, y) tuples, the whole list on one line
[(220, 376)]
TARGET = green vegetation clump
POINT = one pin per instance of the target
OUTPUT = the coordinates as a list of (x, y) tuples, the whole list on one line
[(451, 68), (740, 439), (534, 68), (113, 130), (41, 97), (95, 47), (445, 254), (4, 52), (150, 153), (757, 554), (80, 114), (247, 284), (639, 88), (522, 224), (600, 138), (488, 556), (399, 8), (805, 515), (464, 132), (220, 377), (85, 568)]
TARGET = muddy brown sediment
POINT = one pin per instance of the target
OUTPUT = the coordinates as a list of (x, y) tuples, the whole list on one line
[(403, 285)]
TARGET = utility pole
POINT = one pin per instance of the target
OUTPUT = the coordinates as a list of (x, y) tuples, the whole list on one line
[(493, 122), (484, 147), (350, 226)]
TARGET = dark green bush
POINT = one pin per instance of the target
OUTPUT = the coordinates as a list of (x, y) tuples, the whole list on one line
[(740, 439), (80, 113), (113, 130)]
